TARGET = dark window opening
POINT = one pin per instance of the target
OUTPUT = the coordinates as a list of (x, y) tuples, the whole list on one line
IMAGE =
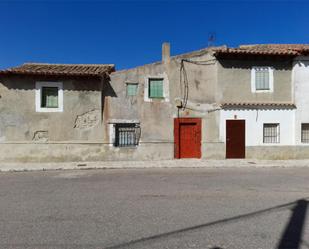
[(49, 97), (127, 134), (305, 133)]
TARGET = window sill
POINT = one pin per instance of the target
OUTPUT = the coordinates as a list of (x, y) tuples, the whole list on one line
[(44, 109), (126, 147), (263, 91)]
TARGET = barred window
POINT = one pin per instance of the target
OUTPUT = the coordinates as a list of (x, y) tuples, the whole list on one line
[(305, 133), (271, 133), (262, 78), (127, 134)]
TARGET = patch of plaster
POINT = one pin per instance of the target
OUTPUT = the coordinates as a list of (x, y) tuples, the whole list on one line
[(40, 136), (200, 107), (2, 137), (87, 120), (7, 119)]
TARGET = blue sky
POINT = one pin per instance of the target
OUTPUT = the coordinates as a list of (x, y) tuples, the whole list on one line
[(130, 33)]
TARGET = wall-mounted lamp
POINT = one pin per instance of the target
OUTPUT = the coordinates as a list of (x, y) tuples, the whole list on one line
[(178, 103)]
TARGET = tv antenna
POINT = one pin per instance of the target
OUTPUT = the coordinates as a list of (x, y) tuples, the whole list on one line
[(211, 39)]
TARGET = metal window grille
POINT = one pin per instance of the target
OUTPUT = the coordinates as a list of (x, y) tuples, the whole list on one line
[(262, 78), (132, 89), (155, 88), (271, 133), (127, 135), (305, 133)]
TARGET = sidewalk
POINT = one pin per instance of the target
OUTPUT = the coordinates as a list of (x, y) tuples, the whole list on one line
[(182, 163)]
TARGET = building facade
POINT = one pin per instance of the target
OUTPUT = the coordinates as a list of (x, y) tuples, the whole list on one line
[(52, 112), (215, 103)]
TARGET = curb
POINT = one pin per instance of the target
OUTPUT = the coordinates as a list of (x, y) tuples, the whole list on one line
[(179, 163)]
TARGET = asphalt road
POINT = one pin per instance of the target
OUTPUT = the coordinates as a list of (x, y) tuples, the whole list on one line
[(156, 208)]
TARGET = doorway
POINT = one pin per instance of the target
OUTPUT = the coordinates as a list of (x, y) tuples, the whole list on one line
[(187, 137), (235, 138)]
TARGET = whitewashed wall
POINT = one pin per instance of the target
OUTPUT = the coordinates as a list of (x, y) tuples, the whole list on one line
[(254, 124), (300, 76)]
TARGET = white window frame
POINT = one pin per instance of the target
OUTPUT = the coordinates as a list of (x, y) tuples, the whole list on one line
[(271, 80), (38, 96), (165, 88)]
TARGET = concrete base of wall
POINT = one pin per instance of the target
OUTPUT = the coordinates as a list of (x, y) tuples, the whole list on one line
[(77, 152), (213, 151), (83, 152), (277, 152)]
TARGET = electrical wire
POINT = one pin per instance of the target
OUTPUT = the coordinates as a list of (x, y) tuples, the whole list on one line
[(184, 83)]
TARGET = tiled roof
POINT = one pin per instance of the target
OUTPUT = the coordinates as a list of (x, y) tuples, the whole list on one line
[(258, 104), (61, 69), (266, 49)]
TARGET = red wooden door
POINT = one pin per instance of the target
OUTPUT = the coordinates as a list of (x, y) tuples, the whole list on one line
[(187, 135), (235, 138)]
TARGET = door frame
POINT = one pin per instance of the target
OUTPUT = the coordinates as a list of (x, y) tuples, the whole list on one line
[(226, 137), (177, 123)]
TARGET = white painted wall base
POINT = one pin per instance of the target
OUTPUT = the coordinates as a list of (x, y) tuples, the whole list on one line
[(255, 118)]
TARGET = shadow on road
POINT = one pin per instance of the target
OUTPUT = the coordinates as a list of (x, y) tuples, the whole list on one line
[(291, 238), (292, 235)]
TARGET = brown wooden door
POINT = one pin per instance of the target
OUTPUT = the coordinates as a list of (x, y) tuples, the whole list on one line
[(187, 135), (235, 139)]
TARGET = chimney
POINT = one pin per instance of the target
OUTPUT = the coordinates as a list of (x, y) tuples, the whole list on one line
[(166, 52)]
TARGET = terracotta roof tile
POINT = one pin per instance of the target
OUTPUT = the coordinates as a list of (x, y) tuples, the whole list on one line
[(61, 69), (267, 49), (258, 104)]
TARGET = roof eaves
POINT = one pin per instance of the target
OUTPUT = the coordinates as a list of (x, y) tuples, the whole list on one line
[(235, 51), (258, 104)]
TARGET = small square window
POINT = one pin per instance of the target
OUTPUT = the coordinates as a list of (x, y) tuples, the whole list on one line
[(156, 88), (271, 133), (262, 79), (127, 134), (305, 133), (132, 89), (49, 97)]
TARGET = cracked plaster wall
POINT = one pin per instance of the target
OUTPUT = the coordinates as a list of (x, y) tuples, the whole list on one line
[(20, 122)]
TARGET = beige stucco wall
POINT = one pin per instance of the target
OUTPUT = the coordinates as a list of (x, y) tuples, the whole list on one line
[(234, 80), (19, 120), (157, 117)]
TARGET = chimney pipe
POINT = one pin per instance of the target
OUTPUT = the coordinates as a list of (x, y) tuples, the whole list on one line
[(166, 52)]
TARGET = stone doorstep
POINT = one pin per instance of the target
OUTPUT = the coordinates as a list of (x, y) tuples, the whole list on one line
[(177, 163)]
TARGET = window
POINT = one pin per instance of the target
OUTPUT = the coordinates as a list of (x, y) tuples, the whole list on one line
[(156, 88), (132, 89), (271, 133), (305, 133), (49, 97), (262, 79), (127, 134)]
